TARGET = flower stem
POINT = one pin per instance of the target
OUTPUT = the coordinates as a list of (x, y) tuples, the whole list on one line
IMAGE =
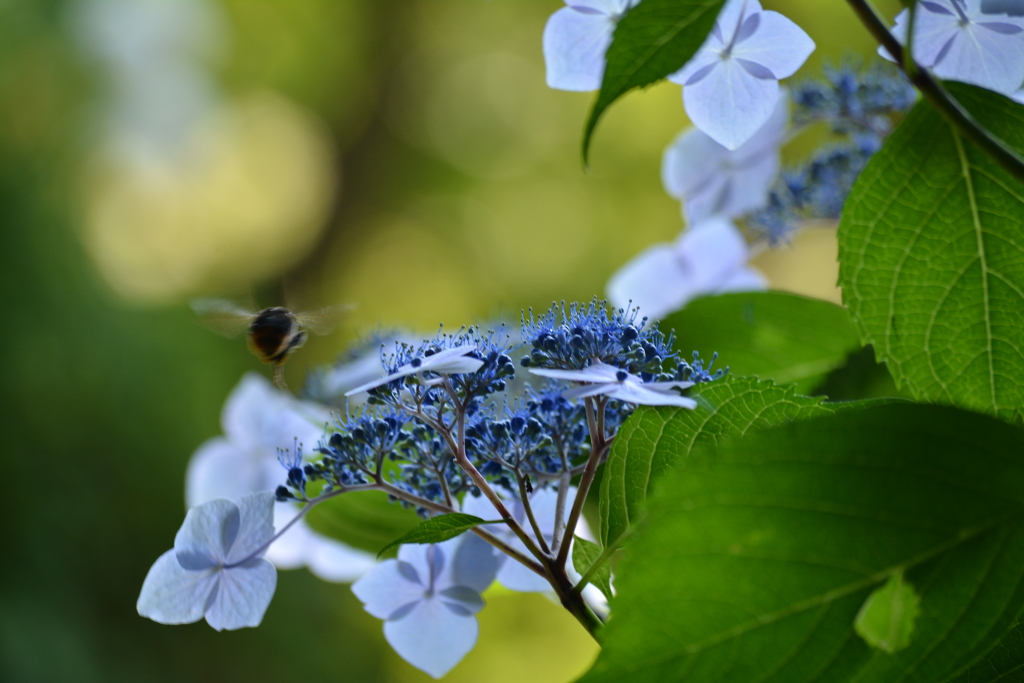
[(938, 96), (586, 479)]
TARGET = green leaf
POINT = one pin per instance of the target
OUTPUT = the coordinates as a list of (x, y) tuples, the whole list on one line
[(887, 618), (652, 40), (365, 520), (931, 256), (584, 555), (1002, 664), (756, 557), (438, 529), (653, 438), (771, 335)]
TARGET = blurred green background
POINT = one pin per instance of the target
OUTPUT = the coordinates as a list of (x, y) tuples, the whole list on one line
[(403, 155)]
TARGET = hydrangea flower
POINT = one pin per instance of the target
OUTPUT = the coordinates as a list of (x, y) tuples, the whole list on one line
[(428, 599), (259, 421), (576, 39), (731, 85), (601, 379), (710, 179), (709, 258), (958, 41), (215, 569)]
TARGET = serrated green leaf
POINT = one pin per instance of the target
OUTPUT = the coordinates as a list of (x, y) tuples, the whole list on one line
[(584, 554), (438, 529), (771, 335), (652, 40), (654, 438), (756, 557), (886, 621), (931, 252), (365, 520)]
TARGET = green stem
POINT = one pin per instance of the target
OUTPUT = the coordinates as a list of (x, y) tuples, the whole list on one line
[(938, 96)]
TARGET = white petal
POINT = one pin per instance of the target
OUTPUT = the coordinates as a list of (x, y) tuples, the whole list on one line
[(691, 166), (436, 363), (247, 409), (665, 386), (609, 7), (475, 562), (517, 577), (289, 551), (641, 396), (259, 419), (597, 372), (256, 526), (986, 58), (711, 252), (332, 560), (446, 355), (574, 47), (706, 57), (588, 390), (931, 32), (386, 589), (326, 558), (220, 469), (173, 595), (730, 105), (655, 280), (734, 13), (778, 44), (432, 637), (744, 280), (242, 595), (457, 366), (748, 188), (341, 378), (209, 531)]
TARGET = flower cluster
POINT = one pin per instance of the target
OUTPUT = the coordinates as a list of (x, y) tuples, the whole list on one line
[(574, 337), (858, 105), (852, 98)]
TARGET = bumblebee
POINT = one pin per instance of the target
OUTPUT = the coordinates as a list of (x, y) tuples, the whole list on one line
[(273, 334)]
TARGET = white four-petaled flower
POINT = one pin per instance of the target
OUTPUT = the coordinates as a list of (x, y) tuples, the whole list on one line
[(709, 258), (447, 362), (732, 84), (428, 599), (216, 568), (576, 39), (710, 179), (960, 42), (257, 421), (601, 379)]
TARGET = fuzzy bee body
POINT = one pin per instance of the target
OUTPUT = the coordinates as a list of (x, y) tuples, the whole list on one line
[(273, 334)]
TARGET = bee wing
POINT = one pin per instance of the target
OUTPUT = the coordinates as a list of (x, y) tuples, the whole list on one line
[(226, 318), (323, 320)]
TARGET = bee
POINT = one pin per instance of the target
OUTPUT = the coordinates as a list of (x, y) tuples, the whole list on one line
[(273, 333)]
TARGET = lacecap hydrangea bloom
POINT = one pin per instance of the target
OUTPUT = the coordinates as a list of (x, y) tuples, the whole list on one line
[(435, 435)]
